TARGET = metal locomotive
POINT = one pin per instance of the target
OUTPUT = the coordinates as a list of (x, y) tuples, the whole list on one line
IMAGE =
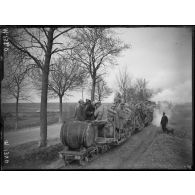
[(83, 140)]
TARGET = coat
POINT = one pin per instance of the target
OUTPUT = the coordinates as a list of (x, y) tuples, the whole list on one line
[(79, 113), (164, 121), (89, 112)]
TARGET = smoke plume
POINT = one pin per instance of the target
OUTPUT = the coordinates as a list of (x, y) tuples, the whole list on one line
[(168, 98), (164, 106)]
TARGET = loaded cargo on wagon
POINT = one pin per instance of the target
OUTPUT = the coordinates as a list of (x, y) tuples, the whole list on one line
[(86, 137)]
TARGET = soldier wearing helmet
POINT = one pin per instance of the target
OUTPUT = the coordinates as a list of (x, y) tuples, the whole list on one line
[(120, 119), (100, 112), (79, 111), (89, 110)]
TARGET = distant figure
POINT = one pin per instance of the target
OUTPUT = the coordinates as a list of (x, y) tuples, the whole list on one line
[(89, 110), (79, 111), (164, 122)]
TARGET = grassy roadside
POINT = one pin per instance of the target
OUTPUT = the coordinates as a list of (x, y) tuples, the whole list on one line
[(167, 152), (30, 156), (171, 151)]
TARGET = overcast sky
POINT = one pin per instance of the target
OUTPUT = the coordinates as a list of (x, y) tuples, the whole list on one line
[(163, 56)]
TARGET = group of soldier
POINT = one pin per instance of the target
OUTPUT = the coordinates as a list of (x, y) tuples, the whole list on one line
[(89, 110)]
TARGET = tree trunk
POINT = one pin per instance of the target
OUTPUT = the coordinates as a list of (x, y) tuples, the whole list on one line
[(16, 124), (82, 94), (43, 110), (60, 106), (44, 91), (93, 88)]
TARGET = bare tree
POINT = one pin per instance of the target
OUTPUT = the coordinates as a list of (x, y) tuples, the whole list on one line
[(124, 83), (40, 44), (102, 90), (132, 91), (15, 83), (95, 49), (65, 76), (142, 91)]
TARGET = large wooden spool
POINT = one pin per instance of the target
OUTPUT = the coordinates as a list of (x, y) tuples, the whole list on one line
[(77, 134)]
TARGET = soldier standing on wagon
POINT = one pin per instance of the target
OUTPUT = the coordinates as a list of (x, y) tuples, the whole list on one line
[(89, 110), (121, 115), (79, 111), (100, 112)]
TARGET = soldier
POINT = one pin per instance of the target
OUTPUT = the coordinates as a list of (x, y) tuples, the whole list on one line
[(120, 119), (164, 122), (89, 110), (79, 111), (100, 112)]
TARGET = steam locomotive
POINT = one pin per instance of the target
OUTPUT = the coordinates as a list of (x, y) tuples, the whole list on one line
[(83, 140)]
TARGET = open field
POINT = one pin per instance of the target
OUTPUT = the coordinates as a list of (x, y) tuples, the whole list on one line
[(148, 149), (29, 115)]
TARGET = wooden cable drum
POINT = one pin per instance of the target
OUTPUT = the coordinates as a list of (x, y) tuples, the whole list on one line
[(76, 134)]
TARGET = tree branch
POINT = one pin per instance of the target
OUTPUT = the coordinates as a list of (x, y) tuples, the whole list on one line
[(38, 41), (65, 31), (26, 52)]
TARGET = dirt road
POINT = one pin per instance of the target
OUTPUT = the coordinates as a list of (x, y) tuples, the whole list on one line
[(148, 149), (124, 156), (31, 134)]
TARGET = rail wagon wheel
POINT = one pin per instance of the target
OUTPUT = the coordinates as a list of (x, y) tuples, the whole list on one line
[(101, 149), (108, 147), (93, 155), (105, 148), (65, 162), (81, 162), (86, 159), (96, 151)]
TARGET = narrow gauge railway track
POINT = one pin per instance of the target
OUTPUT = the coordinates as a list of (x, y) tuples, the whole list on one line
[(84, 156)]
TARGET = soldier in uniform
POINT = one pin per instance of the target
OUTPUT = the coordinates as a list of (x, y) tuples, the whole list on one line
[(100, 112), (79, 111), (89, 110), (164, 122), (121, 116)]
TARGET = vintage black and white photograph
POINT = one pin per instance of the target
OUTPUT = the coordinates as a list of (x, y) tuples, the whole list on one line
[(96, 97)]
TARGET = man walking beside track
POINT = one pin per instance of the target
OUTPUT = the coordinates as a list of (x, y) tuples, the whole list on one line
[(164, 122)]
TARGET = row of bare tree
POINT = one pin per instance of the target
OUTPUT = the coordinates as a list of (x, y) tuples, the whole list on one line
[(58, 60), (132, 91)]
